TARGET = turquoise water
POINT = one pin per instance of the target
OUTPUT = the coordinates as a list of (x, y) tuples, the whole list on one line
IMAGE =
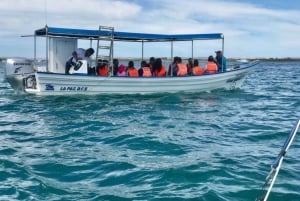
[(204, 146)]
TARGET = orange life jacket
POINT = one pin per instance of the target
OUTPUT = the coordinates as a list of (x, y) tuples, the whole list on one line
[(103, 71), (211, 67), (146, 72), (132, 72), (182, 69), (160, 73), (197, 70)]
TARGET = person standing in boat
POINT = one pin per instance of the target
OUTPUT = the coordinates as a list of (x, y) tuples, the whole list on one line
[(80, 54), (220, 61), (145, 70), (211, 66), (131, 70)]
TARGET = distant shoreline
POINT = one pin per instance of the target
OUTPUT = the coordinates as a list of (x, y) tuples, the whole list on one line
[(286, 59)]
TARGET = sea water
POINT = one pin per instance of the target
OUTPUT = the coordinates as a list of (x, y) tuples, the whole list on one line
[(202, 146)]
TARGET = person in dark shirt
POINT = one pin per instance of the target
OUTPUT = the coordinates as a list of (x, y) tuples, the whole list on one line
[(115, 66), (173, 69), (220, 61)]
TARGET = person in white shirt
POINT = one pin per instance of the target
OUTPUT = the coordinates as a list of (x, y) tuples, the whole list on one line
[(80, 54)]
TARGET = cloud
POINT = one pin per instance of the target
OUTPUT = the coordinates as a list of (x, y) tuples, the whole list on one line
[(87, 14), (250, 30)]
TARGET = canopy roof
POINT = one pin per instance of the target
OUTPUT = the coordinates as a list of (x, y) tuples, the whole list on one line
[(124, 36)]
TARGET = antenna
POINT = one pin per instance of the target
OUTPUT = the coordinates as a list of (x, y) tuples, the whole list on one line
[(45, 10)]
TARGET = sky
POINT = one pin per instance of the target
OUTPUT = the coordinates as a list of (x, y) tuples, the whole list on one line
[(252, 28)]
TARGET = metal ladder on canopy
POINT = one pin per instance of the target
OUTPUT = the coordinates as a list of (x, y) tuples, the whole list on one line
[(105, 44)]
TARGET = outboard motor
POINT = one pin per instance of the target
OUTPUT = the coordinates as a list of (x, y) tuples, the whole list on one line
[(16, 69), (17, 66)]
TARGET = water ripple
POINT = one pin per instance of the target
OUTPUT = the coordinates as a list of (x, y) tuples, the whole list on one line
[(202, 146)]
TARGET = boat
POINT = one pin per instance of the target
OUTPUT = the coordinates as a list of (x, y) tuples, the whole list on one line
[(25, 77)]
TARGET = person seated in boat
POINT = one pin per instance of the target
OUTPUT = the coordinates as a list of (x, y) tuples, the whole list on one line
[(80, 54), (197, 69), (151, 63), (211, 66), (145, 70), (121, 71), (180, 69), (159, 70), (221, 61), (131, 70), (115, 66), (189, 66), (172, 66), (102, 68)]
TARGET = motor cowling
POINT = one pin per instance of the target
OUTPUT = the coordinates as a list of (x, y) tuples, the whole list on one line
[(18, 66)]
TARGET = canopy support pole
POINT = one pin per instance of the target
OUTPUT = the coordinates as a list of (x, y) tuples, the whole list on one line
[(193, 49), (47, 49), (34, 48), (142, 50), (171, 58), (222, 53)]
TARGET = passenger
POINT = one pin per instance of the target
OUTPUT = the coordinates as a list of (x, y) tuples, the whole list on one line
[(131, 70), (189, 66), (159, 70), (121, 71), (145, 70), (151, 63), (221, 61), (80, 54), (172, 66), (115, 66), (180, 68), (102, 68), (211, 66), (197, 70)]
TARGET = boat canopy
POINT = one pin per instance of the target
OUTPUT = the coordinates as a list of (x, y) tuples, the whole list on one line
[(123, 36)]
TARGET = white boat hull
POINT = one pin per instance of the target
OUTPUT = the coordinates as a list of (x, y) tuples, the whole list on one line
[(42, 83)]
